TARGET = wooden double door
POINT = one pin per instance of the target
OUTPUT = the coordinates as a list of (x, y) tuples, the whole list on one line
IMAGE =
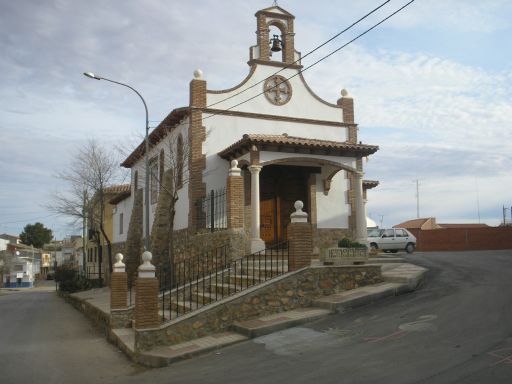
[(280, 187)]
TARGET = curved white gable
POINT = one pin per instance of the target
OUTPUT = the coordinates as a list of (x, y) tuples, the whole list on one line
[(303, 103)]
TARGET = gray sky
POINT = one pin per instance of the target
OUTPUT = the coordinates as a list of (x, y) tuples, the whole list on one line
[(432, 88)]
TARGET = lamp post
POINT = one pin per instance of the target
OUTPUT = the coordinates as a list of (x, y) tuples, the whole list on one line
[(146, 157)]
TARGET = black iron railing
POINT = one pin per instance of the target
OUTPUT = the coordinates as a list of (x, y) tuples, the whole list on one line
[(211, 211), (197, 282)]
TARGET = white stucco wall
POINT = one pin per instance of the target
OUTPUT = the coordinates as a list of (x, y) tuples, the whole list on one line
[(302, 103), (123, 207), (332, 209), (168, 144), (222, 131)]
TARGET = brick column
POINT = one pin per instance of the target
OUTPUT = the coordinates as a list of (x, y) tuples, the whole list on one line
[(146, 295), (346, 102), (300, 238), (235, 197), (119, 285), (196, 138)]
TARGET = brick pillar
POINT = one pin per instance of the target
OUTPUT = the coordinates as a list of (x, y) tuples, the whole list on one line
[(196, 138), (300, 239), (346, 102), (119, 285), (146, 295), (235, 197)]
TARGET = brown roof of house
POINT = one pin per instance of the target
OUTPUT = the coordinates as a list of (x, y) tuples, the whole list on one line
[(285, 143), (157, 135), (412, 224), (463, 225), (117, 188), (121, 196)]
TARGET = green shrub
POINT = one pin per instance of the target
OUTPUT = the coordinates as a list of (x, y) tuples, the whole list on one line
[(347, 243), (344, 243), (70, 281)]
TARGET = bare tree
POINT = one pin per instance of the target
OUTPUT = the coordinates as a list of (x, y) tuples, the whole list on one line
[(92, 170), (172, 177)]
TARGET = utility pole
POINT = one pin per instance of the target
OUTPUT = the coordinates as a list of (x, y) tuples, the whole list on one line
[(84, 231), (417, 198), (505, 215), (381, 220)]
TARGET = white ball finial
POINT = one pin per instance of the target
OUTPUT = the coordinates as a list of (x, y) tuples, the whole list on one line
[(234, 170), (299, 216), (119, 265), (146, 269), (198, 74), (147, 256), (344, 93)]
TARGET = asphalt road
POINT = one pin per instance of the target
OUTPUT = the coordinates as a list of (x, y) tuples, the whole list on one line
[(456, 329)]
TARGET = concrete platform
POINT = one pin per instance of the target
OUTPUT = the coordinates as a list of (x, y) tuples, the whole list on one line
[(342, 301), (279, 321), (162, 356)]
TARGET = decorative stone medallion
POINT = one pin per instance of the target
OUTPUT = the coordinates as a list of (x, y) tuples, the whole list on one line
[(277, 90)]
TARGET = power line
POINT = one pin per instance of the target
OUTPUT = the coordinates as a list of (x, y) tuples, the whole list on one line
[(303, 57), (315, 63)]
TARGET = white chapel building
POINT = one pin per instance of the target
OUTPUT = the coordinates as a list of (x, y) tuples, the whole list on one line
[(283, 144)]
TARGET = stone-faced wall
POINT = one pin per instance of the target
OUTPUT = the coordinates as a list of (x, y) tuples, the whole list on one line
[(196, 247), (294, 290)]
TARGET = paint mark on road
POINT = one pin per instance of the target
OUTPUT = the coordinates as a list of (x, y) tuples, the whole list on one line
[(394, 336), (504, 355), (422, 324)]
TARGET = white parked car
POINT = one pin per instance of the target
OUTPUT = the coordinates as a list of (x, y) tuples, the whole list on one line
[(392, 240)]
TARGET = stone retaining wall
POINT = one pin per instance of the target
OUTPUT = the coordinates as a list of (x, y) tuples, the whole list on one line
[(294, 290), (121, 318), (96, 315)]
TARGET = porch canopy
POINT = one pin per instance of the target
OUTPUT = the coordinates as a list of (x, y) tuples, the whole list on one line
[(300, 156), (292, 144)]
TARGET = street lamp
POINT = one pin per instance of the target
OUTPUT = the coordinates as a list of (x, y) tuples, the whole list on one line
[(146, 157)]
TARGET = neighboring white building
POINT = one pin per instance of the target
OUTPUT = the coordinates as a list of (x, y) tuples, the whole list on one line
[(21, 273), (289, 143)]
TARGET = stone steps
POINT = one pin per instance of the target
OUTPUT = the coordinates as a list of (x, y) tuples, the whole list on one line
[(161, 356), (279, 321)]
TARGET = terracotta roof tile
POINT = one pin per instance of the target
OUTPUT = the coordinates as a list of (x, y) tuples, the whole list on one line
[(338, 147), (156, 135)]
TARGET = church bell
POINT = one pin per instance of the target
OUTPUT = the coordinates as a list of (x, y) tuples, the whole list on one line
[(276, 44)]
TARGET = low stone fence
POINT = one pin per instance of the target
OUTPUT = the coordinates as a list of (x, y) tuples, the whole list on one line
[(293, 290), (95, 314)]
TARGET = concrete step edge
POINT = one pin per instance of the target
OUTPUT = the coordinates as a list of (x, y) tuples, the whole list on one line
[(165, 355), (360, 296), (245, 328)]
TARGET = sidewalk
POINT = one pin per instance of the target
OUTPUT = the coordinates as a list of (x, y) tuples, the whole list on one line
[(399, 277), (39, 286)]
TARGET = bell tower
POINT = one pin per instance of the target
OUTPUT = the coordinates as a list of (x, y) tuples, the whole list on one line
[(276, 48)]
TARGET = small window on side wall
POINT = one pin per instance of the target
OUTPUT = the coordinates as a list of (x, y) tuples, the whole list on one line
[(121, 219), (179, 162)]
